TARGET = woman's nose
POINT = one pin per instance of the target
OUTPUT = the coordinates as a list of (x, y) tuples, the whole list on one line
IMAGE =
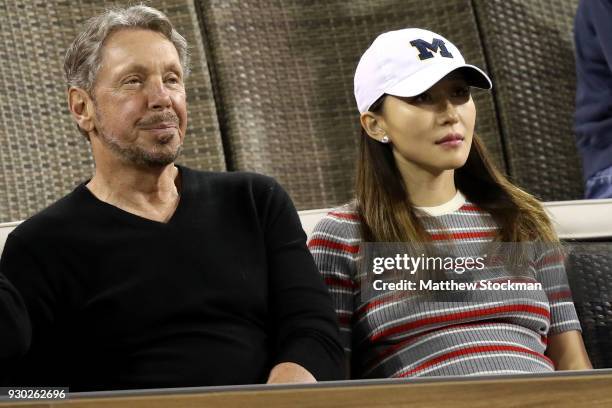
[(448, 112)]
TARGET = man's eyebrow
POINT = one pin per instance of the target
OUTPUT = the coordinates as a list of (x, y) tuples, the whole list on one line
[(174, 67), (132, 68), (139, 68)]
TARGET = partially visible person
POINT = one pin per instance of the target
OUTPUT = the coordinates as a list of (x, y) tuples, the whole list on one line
[(593, 120), (151, 274), (15, 330), (425, 178)]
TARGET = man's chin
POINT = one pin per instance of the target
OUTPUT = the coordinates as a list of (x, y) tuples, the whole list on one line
[(160, 160), (166, 137), (157, 162), (150, 159)]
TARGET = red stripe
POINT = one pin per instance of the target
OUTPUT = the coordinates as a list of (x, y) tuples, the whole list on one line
[(459, 316), (392, 349), (473, 350), (551, 260), (512, 280), (468, 207), (343, 283), (389, 298), (347, 216), (462, 235), (501, 260), (401, 296), (563, 294), (374, 303), (318, 242)]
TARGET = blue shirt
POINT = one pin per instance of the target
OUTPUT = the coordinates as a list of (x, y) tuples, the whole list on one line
[(593, 119)]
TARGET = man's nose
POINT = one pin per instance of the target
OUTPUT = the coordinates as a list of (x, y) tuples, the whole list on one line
[(159, 95)]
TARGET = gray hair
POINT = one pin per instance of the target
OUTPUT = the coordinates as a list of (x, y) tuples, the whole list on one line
[(82, 60)]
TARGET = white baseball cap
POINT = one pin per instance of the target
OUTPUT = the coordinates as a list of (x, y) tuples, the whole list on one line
[(407, 63)]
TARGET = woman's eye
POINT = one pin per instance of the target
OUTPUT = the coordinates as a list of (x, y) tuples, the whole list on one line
[(463, 91), (422, 98)]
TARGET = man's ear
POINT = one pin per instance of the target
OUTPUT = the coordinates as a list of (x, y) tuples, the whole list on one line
[(82, 108), (374, 125)]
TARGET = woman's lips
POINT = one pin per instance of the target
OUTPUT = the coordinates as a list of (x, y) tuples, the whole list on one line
[(451, 143), (450, 140)]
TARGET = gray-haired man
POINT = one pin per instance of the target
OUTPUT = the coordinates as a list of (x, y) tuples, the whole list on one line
[(151, 274)]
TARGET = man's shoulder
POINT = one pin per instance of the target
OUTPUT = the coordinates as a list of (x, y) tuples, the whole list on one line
[(59, 216), (231, 180)]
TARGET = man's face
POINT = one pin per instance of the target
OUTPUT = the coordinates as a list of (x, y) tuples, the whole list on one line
[(139, 98)]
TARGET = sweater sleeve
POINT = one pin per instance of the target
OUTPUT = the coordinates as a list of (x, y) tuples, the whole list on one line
[(30, 275), (335, 244), (303, 317), (14, 321), (551, 273)]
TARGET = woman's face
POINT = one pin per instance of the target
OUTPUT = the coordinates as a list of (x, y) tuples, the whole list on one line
[(432, 131)]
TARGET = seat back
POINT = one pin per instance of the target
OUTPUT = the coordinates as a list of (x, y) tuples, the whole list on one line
[(284, 72), (5, 230), (529, 49), (589, 272)]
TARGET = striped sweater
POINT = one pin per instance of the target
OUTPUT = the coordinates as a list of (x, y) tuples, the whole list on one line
[(385, 337)]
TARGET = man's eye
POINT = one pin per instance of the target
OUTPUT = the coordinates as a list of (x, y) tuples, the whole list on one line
[(132, 81)]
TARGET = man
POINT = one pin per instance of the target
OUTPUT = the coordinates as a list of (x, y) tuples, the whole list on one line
[(156, 275), (593, 119), (14, 322)]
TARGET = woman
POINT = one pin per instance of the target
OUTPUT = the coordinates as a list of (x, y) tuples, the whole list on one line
[(424, 176)]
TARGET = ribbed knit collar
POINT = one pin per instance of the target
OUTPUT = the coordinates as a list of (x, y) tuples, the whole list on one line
[(448, 207)]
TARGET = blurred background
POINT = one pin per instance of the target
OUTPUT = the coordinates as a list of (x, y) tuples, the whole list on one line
[(272, 90)]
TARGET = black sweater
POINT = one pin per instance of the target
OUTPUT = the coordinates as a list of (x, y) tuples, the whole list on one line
[(15, 328), (218, 295)]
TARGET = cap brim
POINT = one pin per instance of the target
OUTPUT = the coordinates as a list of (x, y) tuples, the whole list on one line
[(421, 81)]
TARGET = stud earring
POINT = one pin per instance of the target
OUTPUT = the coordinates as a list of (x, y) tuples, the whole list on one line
[(385, 139)]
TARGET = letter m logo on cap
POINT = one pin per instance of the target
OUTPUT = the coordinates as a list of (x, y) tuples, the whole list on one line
[(425, 48)]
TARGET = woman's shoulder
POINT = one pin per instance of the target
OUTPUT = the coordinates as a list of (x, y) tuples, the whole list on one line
[(344, 214), (338, 233), (339, 223), (347, 212)]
